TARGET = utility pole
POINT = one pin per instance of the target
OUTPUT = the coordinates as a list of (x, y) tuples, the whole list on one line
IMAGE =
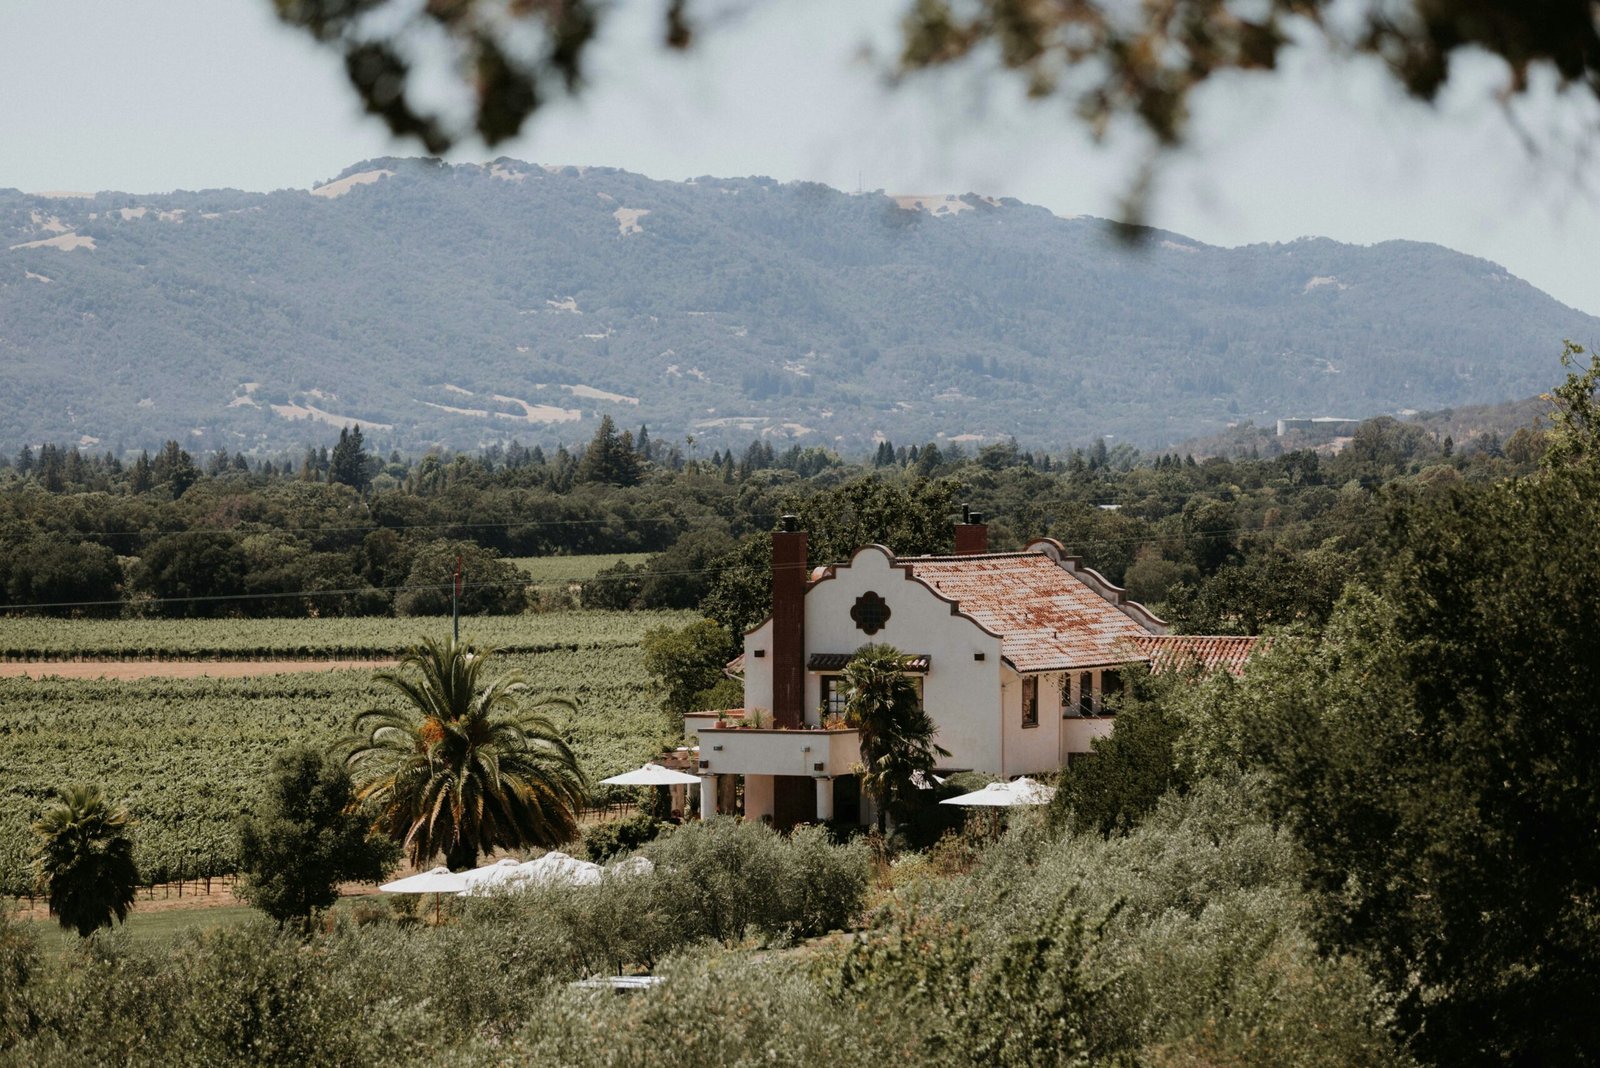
[(455, 601)]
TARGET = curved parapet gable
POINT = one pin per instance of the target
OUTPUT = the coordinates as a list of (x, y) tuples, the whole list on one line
[(1114, 595), (910, 574)]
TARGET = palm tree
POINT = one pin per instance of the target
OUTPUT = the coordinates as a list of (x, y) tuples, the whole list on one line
[(462, 770), (896, 732), (84, 860)]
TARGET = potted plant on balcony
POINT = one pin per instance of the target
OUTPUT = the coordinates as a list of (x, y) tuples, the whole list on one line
[(758, 719)]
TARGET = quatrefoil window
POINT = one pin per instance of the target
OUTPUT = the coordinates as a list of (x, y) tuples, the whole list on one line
[(871, 613)]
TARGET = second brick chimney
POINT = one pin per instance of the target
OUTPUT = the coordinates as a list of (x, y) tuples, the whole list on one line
[(789, 624), (972, 535)]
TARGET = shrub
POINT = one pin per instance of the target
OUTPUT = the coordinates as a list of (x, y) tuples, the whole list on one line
[(723, 877), (616, 586), (602, 841), (19, 962)]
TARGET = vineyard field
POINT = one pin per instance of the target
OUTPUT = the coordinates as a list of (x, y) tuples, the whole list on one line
[(358, 638), (188, 755)]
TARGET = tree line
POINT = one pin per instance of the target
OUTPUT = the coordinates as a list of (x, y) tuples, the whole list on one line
[(1228, 544)]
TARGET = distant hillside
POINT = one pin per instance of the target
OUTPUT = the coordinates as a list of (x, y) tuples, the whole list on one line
[(467, 304)]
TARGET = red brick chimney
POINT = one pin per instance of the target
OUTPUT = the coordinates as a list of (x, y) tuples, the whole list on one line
[(972, 535), (789, 624)]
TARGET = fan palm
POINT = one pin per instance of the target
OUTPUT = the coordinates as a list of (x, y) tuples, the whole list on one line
[(896, 732), (463, 769), (84, 860)]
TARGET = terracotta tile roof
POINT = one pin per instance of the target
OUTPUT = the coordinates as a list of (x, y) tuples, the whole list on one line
[(1175, 652), (1048, 619)]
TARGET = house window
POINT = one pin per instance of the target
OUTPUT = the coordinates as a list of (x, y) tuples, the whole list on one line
[(834, 693), (1030, 700), (1110, 692), (1085, 694)]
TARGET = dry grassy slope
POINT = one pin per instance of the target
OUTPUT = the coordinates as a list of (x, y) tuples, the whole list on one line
[(466, 304)]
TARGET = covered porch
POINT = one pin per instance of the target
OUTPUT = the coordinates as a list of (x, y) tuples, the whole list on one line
[(789, 774)]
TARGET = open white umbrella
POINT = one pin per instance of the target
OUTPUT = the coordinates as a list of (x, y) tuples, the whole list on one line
[(502, 872), (652, 775), (632, 866), (557, 868), (440, 880), (552, 869), (1022, 791)]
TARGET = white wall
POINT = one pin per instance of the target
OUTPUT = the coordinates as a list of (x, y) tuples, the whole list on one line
[(758, 670), (958, 691), (1079, 731), (1031, 750)]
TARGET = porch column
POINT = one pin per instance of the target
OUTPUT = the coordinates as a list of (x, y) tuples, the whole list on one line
[(758, 797), (824, 800), (708, 796)]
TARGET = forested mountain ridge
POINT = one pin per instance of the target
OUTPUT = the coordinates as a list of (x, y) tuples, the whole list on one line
[(466, 304)]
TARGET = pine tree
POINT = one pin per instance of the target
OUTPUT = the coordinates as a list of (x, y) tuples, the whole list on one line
[(609, 457), (350, 465), (174, 467), (142, 479)]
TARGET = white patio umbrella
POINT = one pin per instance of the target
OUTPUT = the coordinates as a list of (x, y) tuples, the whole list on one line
[(504, 871), (1022, 791), (558, 868), (632, 866), (652, 775), (552, 869), (440, 880)]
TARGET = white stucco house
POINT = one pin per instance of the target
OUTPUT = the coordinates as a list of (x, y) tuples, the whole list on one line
[(1016, 654)]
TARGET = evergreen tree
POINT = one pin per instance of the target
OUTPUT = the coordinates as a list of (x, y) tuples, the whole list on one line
[(609, 457), (306, 839), (175, 469), (142, 480), (350, 465)]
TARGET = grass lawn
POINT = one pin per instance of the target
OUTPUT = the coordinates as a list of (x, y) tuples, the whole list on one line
[(157, 926), (146, 928), (564, 570)]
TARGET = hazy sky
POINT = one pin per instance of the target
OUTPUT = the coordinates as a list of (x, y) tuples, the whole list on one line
[(155, 95)]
